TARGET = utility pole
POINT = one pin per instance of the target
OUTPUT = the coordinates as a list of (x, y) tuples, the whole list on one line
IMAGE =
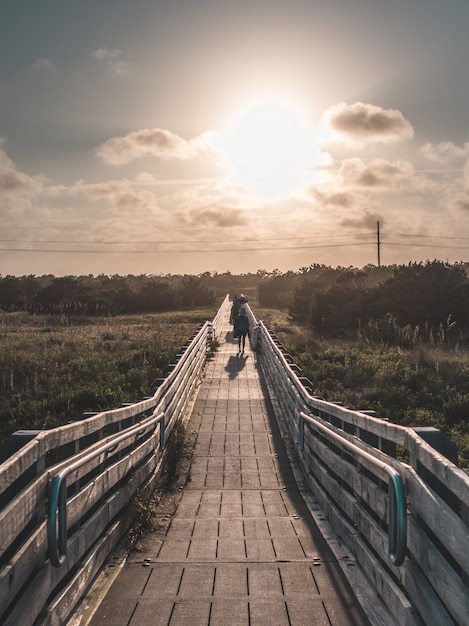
[(379, 245)]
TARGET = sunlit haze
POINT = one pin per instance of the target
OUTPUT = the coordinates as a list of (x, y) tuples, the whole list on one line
[(269, 151), (182, 137)]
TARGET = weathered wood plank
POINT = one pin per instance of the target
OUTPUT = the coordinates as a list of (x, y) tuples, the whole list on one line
[(29, 503), (454, 478), (445, 582), (362, 445), (34, 597), (379, 427), (396, 601), (21, 461), (48, 440), (424, 597), (105, 482), (24, 507), (368, 491), (438, 516), (63, 605), (366, 526), (29, 558)]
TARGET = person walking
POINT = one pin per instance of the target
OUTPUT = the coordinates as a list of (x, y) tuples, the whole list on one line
[(234, 309), (241, 328)]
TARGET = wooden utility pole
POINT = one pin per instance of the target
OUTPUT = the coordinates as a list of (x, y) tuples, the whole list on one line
[(379, 245)]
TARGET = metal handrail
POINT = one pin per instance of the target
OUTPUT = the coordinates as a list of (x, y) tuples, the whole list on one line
[(57, 523), (397, 518)]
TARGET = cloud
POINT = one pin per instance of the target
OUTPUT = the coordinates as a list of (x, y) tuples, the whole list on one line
[(214, 216), (462, 202), (12, 181), (378, 174), (336, 199), (444, 151), (367, 220), (121, 195), (155, 142), (362, 123), (44, 65), (111, 57), (458, 196)]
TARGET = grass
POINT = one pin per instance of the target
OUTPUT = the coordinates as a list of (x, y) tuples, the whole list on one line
[(54, 368), (423, 386)]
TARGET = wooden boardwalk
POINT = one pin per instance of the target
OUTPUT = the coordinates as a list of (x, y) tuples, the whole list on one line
[(239, 545)]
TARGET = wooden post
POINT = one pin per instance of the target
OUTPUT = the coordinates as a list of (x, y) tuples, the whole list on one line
[(448, 449)]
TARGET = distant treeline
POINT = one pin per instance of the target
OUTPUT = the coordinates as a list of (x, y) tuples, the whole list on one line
[(396, 304), (102, 295), (116, 294), (399, 304)]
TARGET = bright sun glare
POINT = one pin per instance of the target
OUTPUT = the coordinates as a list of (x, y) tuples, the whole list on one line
[(268, 150)]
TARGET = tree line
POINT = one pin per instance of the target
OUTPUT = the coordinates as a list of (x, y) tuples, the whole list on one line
[(102, 295), (399, 304), (117, 294), (395, 304)]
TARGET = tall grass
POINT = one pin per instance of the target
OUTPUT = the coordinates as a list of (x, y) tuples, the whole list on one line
[(54, 368), (427, 385)]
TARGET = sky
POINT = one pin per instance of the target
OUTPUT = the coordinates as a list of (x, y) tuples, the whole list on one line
[(193, 136)]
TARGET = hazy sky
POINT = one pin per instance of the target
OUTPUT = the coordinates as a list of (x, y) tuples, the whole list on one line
[(197, 135)]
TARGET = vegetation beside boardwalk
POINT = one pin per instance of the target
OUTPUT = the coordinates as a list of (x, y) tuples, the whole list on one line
[(394, 340), (391, 339), (54, 368), (423, 385)]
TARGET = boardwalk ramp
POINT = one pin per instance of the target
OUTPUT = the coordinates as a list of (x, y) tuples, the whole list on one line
[(237, 545)]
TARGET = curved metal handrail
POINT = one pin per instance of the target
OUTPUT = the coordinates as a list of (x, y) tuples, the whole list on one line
[(57, 511), (397, 519)]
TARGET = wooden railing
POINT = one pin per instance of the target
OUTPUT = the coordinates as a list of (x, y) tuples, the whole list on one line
[(64, 492), (429, 584)]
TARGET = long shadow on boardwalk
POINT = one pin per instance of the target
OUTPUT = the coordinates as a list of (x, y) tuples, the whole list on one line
[(236, 364)]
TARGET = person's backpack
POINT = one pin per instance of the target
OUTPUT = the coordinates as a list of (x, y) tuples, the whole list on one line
[(242, 323)]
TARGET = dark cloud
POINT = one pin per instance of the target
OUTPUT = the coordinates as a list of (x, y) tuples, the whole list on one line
[(367, 220), (14, 182), (337, 199), (376, 174), (365, 123), (462, 203)]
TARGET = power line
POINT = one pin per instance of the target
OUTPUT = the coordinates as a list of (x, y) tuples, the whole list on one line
[(196, 241), (232, 241), (425, 236), (239, 242), (214, 250), (420, 245)]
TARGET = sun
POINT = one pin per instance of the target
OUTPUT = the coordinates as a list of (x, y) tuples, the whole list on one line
[(268, 149)]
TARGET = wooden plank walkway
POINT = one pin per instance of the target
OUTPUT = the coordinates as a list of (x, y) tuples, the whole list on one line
[(240, 546)]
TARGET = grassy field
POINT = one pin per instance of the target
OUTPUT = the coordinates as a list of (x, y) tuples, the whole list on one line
[(424, 386), (53, 368)]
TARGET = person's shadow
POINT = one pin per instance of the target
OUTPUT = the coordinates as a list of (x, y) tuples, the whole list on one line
[(236, 364), (230, 338)]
